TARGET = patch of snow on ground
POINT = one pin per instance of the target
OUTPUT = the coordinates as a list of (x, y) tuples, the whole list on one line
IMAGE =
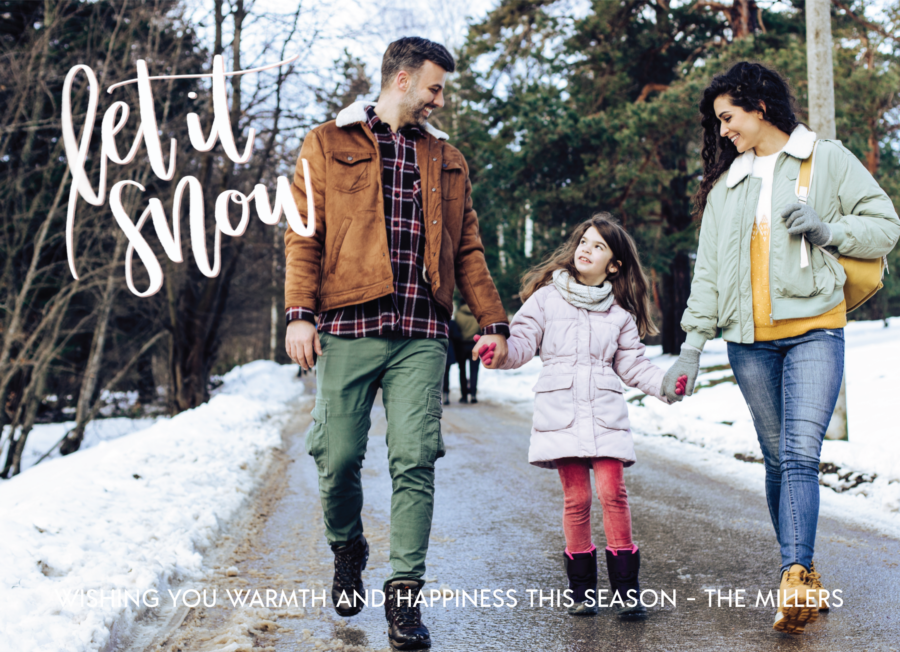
[(44, 436), (716, 418), (131, 514)]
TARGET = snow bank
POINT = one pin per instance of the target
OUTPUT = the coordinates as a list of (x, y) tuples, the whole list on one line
[(131, 514), (45, 436), (865, 470)]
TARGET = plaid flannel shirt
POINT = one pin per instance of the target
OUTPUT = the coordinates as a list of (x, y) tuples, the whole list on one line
[(410, 311)]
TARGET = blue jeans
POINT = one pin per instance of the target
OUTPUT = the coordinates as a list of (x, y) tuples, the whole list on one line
[(791, 387)]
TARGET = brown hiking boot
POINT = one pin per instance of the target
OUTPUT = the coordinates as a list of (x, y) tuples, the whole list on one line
[(814, 580), (797, 604)]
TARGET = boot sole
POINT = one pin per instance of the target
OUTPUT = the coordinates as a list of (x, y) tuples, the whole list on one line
[(635, 613), (412, 645), (581, 610), (795, 619)]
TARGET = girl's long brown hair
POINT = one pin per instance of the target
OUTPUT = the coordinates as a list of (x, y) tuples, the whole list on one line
[(629, 283)]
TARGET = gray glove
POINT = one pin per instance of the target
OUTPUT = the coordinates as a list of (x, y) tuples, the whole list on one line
[(687, 364), (800, 219)]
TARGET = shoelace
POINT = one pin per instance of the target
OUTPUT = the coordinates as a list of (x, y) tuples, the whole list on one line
[(814, 579), (405, 615), (345, 567)]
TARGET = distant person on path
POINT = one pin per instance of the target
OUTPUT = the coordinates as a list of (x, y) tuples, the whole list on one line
[(370, 294), (451, 358), (468, 330), (586, 308), (783, 320)]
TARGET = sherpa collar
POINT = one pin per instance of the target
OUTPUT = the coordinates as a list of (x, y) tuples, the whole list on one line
[(799, 145), (356, 113)]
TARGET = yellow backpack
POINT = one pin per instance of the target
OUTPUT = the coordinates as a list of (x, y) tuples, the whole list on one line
[(864, 276)]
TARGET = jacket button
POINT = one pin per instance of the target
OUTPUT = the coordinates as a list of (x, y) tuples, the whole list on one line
[(434, 159), (433, 189), (445, 165), (434, 221), (349, 158)]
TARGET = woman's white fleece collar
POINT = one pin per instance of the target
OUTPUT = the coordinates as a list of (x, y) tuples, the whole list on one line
[(800, 145), (356, 113)]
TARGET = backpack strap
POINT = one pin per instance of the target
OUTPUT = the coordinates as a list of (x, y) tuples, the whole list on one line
[(804, 182)]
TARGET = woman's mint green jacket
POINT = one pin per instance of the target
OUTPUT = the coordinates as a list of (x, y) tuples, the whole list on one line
[(859, 213)]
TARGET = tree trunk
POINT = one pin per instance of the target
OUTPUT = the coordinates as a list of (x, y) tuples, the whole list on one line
[(196, 312), (33, 393), (273, 326), (95, 357), (13, 331), (744, 16), (820, 67), (676, 211), (819, 44), (676, 289)]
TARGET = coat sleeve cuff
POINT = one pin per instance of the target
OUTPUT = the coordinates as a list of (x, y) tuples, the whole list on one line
[(497, 329), (838, 234), (292, 314), (695, 340)]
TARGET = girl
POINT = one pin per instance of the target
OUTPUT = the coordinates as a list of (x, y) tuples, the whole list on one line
[(783, 321), (586, 309)]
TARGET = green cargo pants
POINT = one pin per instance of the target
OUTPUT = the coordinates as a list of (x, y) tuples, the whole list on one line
[(348, 374)]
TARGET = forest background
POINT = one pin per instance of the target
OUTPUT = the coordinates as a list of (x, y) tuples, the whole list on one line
[(562, 108)]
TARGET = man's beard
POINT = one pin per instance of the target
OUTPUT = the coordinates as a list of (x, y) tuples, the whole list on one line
[(414, 110)]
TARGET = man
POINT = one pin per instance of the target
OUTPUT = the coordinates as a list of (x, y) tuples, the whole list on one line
[(395, 228)]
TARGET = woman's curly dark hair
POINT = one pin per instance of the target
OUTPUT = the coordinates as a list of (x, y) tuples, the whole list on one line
[(749, 86)]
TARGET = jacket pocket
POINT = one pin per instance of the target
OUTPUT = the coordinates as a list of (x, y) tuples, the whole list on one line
[(828, 273), (432, 441), (607, 383), (554, 403), (353, 171), (804, 282), (338, 243), (452, 181), (317, 437), (608, 404)]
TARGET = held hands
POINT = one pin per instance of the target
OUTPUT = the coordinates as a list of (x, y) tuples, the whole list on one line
[(302, 343), (681, 376), (800, 219), (490, 348)]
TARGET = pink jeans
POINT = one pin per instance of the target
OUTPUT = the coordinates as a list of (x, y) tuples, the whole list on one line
[(575, 473)]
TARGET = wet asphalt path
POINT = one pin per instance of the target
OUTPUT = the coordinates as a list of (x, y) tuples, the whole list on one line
[(497, 525)]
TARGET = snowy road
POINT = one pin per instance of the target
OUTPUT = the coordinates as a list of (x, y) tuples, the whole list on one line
[(498, 526)]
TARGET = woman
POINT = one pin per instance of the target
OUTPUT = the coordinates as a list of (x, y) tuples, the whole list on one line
[(783, 321)]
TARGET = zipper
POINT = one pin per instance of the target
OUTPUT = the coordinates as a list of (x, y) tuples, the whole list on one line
[(772, 235), (740, 251)]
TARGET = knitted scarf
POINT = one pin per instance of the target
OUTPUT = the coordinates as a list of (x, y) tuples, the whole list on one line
[(596, 299)]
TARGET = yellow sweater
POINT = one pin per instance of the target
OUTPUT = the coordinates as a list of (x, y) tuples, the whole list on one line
[(765, 328)]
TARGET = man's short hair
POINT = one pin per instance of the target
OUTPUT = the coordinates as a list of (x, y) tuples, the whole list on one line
[(410, 54)]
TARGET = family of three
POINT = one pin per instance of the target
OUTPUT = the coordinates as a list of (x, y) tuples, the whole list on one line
[(369, 295)]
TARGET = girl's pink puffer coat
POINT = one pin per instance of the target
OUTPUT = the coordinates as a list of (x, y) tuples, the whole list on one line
[(579, 409)]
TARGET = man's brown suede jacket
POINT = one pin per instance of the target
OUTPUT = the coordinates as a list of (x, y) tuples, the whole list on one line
[(346, 261)]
